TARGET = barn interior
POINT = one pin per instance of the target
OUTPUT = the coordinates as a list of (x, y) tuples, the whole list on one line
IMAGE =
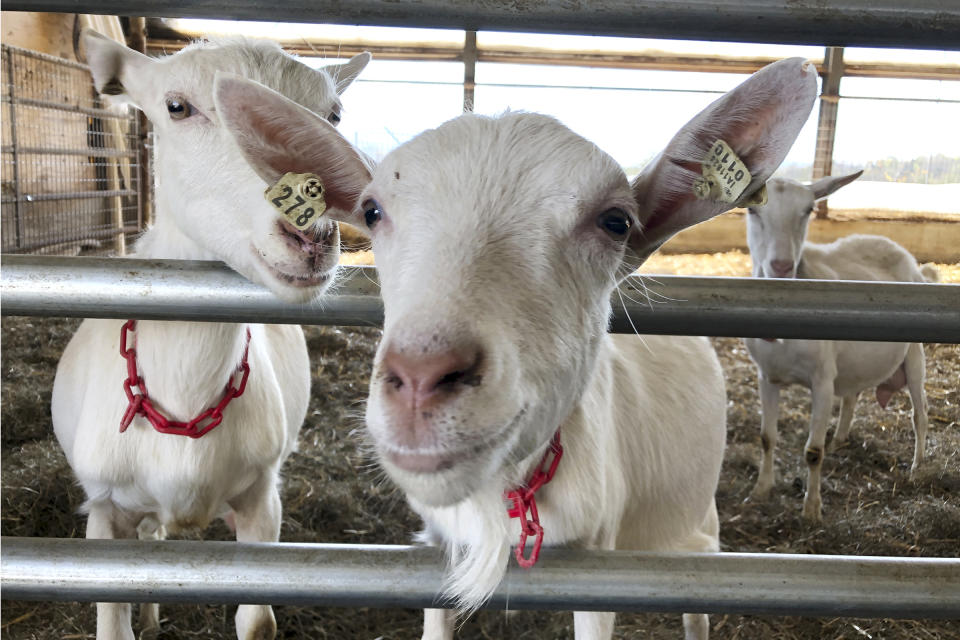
[(78, 181)]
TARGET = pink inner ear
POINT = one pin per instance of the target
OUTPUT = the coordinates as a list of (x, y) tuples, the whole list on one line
[(278, 136), (760, 119)]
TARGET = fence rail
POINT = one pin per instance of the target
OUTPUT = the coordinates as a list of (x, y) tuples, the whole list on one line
[(404, 576), (676, 305), (922, 24)]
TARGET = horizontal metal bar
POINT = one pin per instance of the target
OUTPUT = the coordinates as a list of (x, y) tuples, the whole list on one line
[(46, 57), (73, 195), (606, 59), (678, 305), (924, 24), (61, 106), (37, 244), (404, 576), (93, 152)]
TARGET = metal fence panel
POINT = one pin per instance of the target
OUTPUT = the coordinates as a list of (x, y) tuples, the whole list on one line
[(70, 164)]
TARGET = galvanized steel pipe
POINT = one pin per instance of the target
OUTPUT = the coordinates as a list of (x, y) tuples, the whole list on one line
[(676, 305), (921, 24), (402, 576)]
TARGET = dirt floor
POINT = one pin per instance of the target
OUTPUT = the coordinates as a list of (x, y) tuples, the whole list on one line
[(332, 493)]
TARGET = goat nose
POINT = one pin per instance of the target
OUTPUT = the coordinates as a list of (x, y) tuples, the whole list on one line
[(417, 380), (781, 268)]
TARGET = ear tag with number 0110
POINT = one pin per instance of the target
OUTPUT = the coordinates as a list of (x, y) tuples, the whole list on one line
[(298, 197), (725, 176)]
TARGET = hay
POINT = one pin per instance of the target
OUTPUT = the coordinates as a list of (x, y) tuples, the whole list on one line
[(332, 493)]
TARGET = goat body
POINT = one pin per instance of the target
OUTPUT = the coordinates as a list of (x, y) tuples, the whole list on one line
[(210, 207), (636, 474), (499, 243), (829, 368)]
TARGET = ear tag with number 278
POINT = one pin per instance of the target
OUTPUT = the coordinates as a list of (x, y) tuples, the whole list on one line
[(298, 197)]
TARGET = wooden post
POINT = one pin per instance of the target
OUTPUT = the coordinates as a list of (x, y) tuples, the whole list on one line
[(469, 69), (15, 148), (827, 123)]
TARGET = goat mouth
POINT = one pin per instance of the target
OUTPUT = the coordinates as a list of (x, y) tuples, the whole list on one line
[(424, 462), (306, 279), (299, 280)]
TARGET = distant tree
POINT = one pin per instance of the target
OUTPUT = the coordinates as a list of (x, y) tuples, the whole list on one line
[(802, 172), (933, 169)]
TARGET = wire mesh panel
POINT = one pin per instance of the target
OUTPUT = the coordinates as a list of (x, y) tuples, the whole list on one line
[(70, 163)]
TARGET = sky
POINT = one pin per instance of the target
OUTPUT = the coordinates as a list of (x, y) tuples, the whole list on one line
[(631, 114)]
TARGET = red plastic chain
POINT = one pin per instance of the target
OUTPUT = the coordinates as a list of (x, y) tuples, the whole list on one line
[(523, 500), (141, 404)]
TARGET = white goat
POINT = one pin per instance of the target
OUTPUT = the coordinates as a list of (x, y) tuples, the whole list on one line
[(499, 243), (210, 205), (776, 234)]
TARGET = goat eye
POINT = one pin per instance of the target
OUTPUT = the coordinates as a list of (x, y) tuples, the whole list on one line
[(615, 222), (179, 108), (372, 213), (334, 118)]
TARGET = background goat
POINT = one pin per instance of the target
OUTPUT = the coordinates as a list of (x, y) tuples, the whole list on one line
[(776, 234)]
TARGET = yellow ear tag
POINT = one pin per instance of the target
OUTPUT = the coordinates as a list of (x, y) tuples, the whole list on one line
[(725, 176), (298, 197)]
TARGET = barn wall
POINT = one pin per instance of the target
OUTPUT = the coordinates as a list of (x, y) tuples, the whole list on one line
[(50, 33)]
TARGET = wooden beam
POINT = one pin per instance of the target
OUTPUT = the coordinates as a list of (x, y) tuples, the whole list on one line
[(827, 122), (647, 59), (469, 69)]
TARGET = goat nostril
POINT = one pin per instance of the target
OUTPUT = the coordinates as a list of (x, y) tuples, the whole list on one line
[(451, 378), (394, 380)]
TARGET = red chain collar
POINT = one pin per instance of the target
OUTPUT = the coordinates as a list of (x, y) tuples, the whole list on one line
[(141, 404), (523, 499)]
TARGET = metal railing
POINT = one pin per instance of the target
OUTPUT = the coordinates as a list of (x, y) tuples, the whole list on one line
[(404, 576), (675, 305), (920, 24)]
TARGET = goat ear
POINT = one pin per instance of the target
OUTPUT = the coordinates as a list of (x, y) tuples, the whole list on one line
[(277, 136), (344, 74), (828, 184), (112, 65), (759, 120)]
